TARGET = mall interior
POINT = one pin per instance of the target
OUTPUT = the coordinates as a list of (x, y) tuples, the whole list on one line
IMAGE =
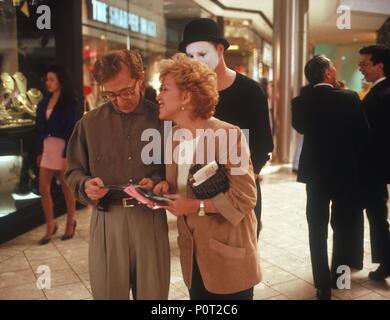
[(270, 42)]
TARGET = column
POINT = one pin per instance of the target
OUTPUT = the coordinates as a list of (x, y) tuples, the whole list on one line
[(289, 56)]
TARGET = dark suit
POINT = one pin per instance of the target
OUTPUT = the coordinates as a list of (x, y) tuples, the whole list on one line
[(334, 129), (376, 169)]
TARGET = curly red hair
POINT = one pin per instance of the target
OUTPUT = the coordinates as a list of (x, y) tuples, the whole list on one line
[(195, 77)]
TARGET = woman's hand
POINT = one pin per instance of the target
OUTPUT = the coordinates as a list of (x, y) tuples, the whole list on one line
[(162, 187), (146, 183), (181, 206)]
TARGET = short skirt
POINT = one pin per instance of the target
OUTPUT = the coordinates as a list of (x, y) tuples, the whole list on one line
[(53, 149)]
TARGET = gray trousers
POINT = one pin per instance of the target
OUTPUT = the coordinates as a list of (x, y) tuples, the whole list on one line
[(129, 249)]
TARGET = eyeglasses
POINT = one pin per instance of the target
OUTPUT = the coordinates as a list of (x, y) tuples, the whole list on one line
[(125, 94)]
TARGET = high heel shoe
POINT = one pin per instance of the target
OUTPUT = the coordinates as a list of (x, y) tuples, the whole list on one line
[(66, 237), (46, 239)]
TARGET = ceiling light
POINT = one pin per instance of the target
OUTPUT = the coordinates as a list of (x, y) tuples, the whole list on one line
[(234, 47)]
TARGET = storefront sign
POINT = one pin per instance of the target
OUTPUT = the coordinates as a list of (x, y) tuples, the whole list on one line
[(104, 13)]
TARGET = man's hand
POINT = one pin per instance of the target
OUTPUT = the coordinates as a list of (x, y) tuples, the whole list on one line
[(162, 187), (94, 188), (146, 183)]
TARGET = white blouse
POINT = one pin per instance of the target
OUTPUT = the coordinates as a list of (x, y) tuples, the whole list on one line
[(187, 150)]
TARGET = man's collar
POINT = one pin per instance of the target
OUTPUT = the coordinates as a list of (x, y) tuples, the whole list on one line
[(140, 109), (377, 81), (323, 84)]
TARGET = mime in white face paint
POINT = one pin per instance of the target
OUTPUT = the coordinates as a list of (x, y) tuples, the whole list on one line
[(203, 51)]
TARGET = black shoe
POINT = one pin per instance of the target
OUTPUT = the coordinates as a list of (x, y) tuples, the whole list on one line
[(66, 237), (379, 274), (46, 239), (324, 294)]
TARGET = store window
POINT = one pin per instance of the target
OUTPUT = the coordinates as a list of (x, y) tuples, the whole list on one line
[(244, 53), (25, 52), (31, 33), (112, 25)]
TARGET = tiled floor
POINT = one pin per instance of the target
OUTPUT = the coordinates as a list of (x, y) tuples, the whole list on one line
[(283, 246)]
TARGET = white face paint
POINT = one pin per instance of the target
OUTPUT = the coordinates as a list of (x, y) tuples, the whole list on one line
[(203, 51)]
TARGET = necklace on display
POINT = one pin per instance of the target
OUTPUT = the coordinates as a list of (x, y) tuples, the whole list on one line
[(34, 95), (6, 98), (7, 94), (22, 98), (25, 105)]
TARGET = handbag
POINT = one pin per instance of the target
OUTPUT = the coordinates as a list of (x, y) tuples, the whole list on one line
[(206, 181)]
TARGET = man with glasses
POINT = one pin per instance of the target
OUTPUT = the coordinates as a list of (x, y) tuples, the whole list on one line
[(129, 247), (375, 66)]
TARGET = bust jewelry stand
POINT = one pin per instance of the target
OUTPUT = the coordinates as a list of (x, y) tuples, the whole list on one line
[(17, 99), (8, 81), (21, 82), (35, 96)]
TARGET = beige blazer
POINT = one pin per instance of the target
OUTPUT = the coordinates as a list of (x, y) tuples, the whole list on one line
[(225, 244)]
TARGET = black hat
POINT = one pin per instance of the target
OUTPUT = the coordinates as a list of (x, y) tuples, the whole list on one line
[(202, 29)]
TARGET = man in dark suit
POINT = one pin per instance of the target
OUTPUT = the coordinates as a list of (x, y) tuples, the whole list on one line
[(375, 66), (334, 129)]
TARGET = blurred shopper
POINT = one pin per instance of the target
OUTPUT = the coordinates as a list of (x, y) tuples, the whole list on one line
[(217, 234), (375, 66), (129, 247), (241, 100), (334, 130), (56, 117)]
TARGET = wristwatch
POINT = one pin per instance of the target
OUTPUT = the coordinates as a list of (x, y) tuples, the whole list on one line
[(201, 211)]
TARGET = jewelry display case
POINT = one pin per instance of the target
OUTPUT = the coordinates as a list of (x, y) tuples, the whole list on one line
[(25, 54), (17, 104), (20, 202)]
